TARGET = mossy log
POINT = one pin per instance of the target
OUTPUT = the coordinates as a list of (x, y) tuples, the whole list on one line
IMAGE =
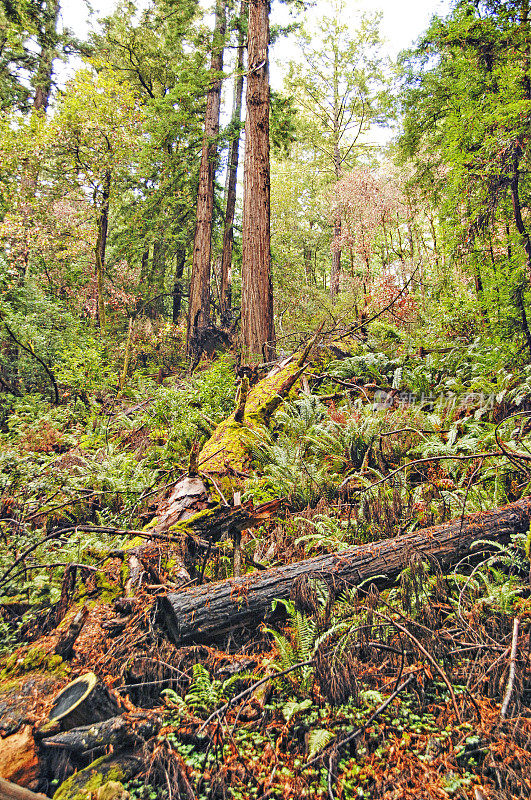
[(202, 614), (88, 783), (228, 449)]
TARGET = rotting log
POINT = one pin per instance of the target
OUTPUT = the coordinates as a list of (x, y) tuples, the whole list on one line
[(124, 732), (204, 613), (83, 701), (228, 449)]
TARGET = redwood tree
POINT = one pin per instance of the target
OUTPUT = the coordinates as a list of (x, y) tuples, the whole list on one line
[(199, 305), (232, 173), (257, 326)]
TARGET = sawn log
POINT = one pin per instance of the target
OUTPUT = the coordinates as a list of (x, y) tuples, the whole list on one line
[(203, 613)]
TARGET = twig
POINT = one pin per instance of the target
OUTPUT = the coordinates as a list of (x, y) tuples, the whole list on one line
[(430, 658), (373, 716), (37, 358), (512, 670), (251, 689), (422, 461)]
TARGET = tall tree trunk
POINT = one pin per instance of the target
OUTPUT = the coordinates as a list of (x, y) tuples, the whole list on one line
[(48, 42), (101, 245), (232, 174), (258, 330), (199, 307)]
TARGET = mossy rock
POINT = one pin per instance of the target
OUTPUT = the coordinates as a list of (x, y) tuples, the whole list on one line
[(91, 781)]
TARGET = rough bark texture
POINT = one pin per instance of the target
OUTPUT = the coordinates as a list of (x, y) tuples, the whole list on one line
[(204, 613), (258, 332), (120, 733), (199, 307), (232, 174)]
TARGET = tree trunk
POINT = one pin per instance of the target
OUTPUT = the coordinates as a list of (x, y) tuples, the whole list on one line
[(232, 174), (101, 245), (48, 42), (177, 285), (258, 331), (204, 613), (157, 277), (199, 306), (42, 82), (335, 272)]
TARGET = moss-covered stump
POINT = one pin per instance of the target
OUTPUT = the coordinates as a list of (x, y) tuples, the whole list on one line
[(92, 781)]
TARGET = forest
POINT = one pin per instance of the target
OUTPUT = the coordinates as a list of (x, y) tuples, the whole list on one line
[(265, 403)]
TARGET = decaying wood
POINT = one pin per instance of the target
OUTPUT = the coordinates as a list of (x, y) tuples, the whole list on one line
[(121, 733), (83, 701), (65, 645), (19, 761), (11, 791), (228, 449), (203, 613)]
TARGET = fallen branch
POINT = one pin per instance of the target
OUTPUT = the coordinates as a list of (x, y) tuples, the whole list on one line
[(512, 670)]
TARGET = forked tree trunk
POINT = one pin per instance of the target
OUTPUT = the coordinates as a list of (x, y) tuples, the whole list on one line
[(206, 612), (258, 331), (199, 307), (232, 174)]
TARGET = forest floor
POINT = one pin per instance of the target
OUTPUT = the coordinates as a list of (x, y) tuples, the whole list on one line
[(415, 687)]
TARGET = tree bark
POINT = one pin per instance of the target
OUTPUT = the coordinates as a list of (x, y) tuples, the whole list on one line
[(232, 174), (157, 277), (177, 285), (199, 305), (204, 613), (101, 245), (48, 42), (120, 733), (258, 331)]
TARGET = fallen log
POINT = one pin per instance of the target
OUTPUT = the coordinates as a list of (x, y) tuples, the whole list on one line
[(203, 613), (121, 733)]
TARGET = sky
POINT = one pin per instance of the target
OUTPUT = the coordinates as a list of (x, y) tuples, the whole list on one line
[(403, 22)]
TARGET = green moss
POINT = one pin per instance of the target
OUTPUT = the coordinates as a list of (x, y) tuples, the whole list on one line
[(33, 660), (106, 590), (84, 784)]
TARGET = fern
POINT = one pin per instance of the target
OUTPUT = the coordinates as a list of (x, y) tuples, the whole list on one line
[(318, 740)]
